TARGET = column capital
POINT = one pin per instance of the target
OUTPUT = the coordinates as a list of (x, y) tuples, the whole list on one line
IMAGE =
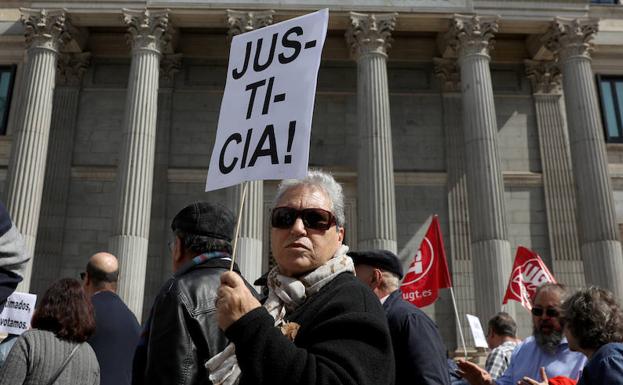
[(169, 65), (44, 28), (472, 35), (71, 68), (545, 76), (245, 21), (568, 38), (448, 71), (147, 30), (370, 33)]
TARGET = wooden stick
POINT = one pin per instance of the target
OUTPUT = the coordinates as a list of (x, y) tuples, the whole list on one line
[(245, 185), (458, 320)]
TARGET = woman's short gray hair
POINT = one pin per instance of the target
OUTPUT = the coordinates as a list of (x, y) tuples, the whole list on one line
[(325, 182)]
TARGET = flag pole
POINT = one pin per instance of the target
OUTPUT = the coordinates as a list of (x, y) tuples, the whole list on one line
[(458, 320), (245, 185)]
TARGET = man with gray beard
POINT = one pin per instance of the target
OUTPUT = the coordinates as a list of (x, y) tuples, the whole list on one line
[(546, 348)]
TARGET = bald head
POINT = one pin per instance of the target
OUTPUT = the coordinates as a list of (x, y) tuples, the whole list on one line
[(102, 273)]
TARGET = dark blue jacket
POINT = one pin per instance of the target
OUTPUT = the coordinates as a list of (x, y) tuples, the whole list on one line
[(605, 366), (418, 348), (115, 339)]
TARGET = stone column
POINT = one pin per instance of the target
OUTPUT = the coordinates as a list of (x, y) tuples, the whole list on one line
[(471, 37), (458, 213), (249, 247), (148, 35), (570, 41), (558, 182), (45, 33), (368, 36), (48, 254)]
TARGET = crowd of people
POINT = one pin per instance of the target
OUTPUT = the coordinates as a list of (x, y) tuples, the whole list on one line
[(326, 315)]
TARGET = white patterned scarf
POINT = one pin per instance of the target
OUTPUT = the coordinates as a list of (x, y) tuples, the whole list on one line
[(285, 294)]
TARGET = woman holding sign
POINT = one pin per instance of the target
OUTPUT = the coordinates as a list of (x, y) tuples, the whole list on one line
[(55, 351), (319, 324)]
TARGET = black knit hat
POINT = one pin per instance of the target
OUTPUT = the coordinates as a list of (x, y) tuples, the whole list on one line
[(382, 259), (204, 218)]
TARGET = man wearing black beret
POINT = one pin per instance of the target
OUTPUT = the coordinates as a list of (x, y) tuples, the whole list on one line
[(182, 332), (418, 348)]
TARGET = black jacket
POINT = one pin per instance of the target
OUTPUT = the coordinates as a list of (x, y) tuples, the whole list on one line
[(343, 339), (182, 332), (116, 335), (419, 350)]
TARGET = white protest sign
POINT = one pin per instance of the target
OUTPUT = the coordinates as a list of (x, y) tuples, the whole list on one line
[(264, 125), (479, 336), (17, 312)]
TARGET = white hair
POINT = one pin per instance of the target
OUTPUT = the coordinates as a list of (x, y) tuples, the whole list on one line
[(321, 180)]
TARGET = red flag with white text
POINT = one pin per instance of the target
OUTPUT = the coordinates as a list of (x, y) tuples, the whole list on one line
[(429, 270), (529, 272)]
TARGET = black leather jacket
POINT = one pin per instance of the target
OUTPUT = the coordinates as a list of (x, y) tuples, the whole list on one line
[(182, 332)]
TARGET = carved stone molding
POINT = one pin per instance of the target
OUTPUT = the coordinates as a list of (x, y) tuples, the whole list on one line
[(545, 76), (472, 35), (245, 21), (169, 65), (571, 37), (45, 29), (370, 33), (448, 71), (147, 30), (71, 68)]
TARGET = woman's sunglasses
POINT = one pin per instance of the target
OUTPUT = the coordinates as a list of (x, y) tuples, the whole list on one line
[(538, 311), (315, 219)]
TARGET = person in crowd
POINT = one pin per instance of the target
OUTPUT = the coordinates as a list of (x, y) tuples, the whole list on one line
[(55, 349), (502, 340), (182, 332), (319, 324), (418, 348), (117, 330), (546, 348), (13, 256), (594, 327), (6, 345)]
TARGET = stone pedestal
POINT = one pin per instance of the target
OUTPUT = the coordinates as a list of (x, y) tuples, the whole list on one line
[(249, 246), (45, 33), (148, 35), (570, 41), (471, 37), (558, 182), (368, 36), (48, 253)]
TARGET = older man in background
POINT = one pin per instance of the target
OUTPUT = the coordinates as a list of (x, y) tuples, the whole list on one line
[(502, 340), (547, 347), (117, 330)]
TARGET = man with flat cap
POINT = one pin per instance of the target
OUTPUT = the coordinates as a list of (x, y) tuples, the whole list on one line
[(182, 332), (418, 348)]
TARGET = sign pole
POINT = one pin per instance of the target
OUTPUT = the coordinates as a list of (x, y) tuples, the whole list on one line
[(458, 320), (245, 185)]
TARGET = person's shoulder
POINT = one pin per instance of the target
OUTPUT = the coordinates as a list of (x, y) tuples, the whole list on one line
[(525, 346), (346, 286), (612, 350)]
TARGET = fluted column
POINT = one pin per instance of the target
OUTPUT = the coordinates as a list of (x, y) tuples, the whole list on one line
[(558, 182), (369, 38), (570, 41), (48, 253), (45, 33), (458, 212), (147, 34), (249, 246), (471, 37)]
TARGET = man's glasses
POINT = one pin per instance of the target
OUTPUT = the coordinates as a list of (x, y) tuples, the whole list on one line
[(550, 312), (315, 219), (83, 275)]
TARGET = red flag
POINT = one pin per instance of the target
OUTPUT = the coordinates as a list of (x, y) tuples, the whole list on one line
[(529, 272), (429, 271)]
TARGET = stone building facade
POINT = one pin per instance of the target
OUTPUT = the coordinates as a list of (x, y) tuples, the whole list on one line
[(502, 117)]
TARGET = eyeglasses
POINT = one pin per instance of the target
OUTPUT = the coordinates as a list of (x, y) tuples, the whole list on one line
[(315, 219), (83, 275), (550, 312)]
